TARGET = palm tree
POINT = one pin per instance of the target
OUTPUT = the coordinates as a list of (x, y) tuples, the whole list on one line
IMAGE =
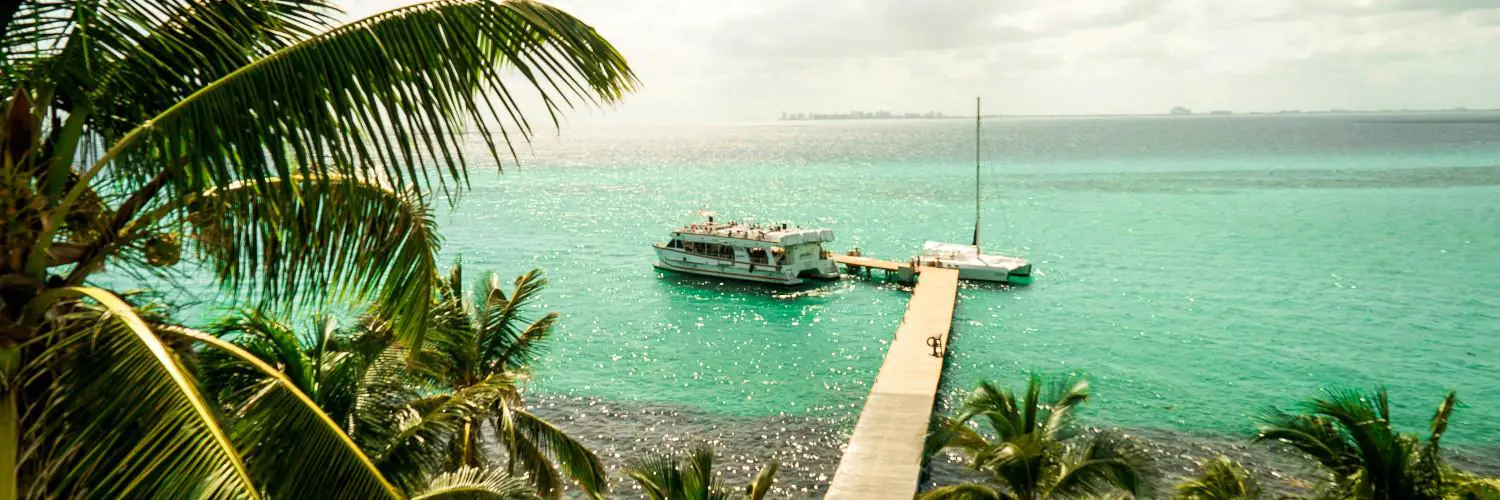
[(1033, 450), (1348, 432), (490, 336), (293, 157), (359, 379), (692, 477), (1222, 479)]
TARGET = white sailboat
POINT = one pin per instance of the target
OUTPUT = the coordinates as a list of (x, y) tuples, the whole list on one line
[(969, 260)]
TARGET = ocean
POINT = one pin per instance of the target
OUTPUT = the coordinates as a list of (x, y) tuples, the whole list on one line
[(1195, 270)]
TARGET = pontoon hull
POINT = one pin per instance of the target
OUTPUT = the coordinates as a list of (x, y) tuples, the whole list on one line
[(672, 260)]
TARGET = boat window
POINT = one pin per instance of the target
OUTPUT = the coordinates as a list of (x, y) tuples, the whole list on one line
[(759, 256), (779, 255), (675, 243), (725, 252)]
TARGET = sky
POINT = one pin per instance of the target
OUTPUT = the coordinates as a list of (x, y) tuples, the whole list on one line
[(751, 60)]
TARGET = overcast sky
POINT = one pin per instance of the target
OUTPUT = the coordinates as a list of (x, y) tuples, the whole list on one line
[(749, 60)]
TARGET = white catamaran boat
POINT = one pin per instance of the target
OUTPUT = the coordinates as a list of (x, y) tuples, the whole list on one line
[(778, 253), (971, 263)]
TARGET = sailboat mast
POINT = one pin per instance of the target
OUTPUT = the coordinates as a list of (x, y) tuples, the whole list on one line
[(976, 173)]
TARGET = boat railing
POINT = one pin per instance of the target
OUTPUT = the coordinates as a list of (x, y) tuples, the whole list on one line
[(714, 257)]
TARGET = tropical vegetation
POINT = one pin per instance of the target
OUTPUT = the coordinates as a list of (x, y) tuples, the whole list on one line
[(416, 422), (1222, 479), (1350, 435), (1033, 449), (692, 477), (293, 157), (1028, 448)]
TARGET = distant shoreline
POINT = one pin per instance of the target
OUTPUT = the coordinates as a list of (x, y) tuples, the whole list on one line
[(1213, 114)]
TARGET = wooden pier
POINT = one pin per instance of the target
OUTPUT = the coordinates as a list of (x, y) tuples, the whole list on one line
[(884, 458), (857, 265)]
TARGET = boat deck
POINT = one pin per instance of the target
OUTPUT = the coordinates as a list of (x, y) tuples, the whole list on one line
[(884, 457)]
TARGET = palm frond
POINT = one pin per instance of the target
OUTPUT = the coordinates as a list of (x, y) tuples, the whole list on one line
[(285, 350), (385, 392), (657, 475), (1105, 463), (132, 421), (354, 239), (1465, 486), (1222, 479), (214, 37), (527, 456), (1439, 423), (965, 491), (946, 433), (1064, 396), (508, 339), (527, 345), (420, 445), (998, 406), (1383, 455), (698, 472), (1031, 403), (476, 484), (1023, 463), (761, 486), (383, 98), (290, 444), (1314, 436), (575, 459)]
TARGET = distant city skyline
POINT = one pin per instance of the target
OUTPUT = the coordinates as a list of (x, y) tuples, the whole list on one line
[(1176, 110), (859, 115)]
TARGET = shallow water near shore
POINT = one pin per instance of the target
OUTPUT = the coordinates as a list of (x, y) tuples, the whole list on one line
[(808, 448)]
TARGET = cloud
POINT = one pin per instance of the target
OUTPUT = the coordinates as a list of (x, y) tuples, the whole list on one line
[(750, 59), (853, 28)]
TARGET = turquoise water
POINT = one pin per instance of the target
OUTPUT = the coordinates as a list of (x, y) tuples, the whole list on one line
[(1195, 269)]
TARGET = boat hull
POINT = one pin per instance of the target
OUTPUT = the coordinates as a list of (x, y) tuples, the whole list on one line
[(792, 274), (726, 273), (969, 271)]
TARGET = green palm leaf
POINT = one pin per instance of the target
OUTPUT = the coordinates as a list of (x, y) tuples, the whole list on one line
[(273, 342), (133, 422), (575, 459), (658, 476), (420, 444), (291, 445), (761, 486), (381, 100), (1314, 436), (998, 406), (382, 97), (1222, 479), (144, 76), (698, 478), (1106, 463), (508, 340), (965, 491), (950, 433), (342, 235), (476, 484)]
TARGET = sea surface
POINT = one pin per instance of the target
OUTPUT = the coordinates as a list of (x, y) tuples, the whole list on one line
[(1195, 270)]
